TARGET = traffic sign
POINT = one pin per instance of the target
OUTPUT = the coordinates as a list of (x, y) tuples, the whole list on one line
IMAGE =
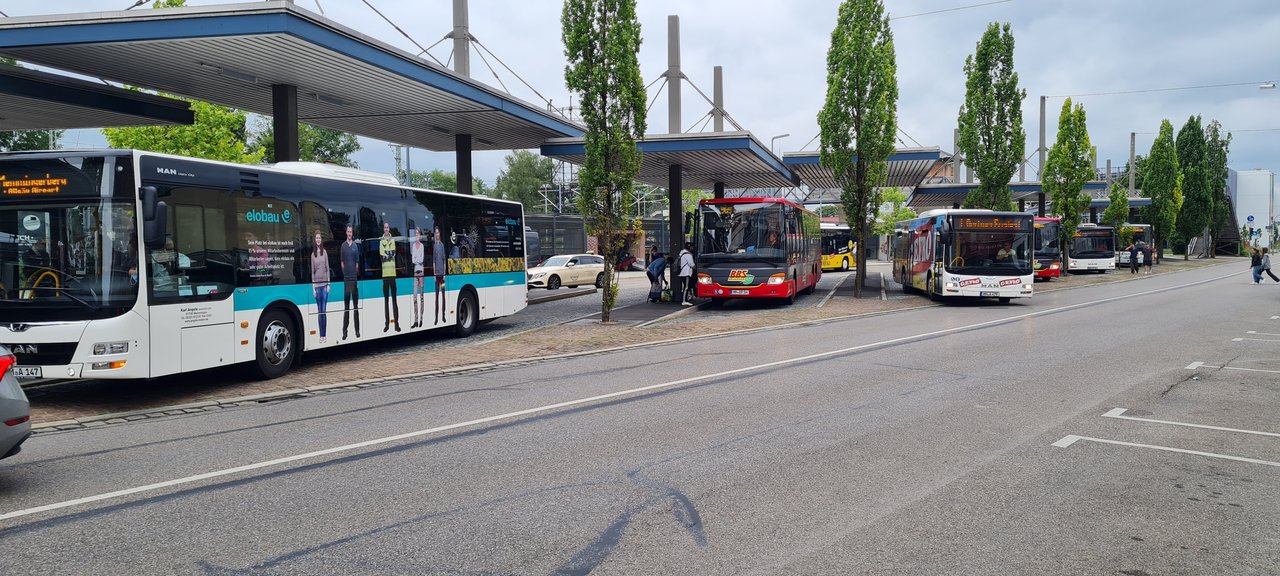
[(1249, 219)]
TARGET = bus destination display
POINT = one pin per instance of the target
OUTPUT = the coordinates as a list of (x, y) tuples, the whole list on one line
[(991, 223), (28, 186)]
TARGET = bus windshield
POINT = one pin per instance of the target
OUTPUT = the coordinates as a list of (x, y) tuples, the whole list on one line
[(1047, 243), (1093, 244), (68, 249), (750, 231), (991, 253), (835, 242)]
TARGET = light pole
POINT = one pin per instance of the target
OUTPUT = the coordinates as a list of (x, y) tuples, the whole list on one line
[(774, 140)]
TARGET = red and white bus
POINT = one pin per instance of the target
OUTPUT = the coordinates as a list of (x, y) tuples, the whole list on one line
[(756, 248), (970, 253), (1048, 248)]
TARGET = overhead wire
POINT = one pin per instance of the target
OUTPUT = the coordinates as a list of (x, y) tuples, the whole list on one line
[(1149, 90), (508, 68), (950, 9)]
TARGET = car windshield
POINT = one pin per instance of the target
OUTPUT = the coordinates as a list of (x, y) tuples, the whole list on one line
[(64, 254), (741, 232), (555, 261)]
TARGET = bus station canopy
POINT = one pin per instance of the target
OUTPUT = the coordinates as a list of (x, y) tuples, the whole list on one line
[(734, 159), (35, 100), (908, 167), (234, 54), (928, 196)]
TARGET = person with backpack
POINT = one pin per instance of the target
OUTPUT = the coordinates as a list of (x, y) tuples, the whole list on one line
[(1255, 265), (685, 272), (1266, 266), (656, 272)]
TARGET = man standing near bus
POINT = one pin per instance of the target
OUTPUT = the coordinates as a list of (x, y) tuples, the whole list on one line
[(439, 264), (685, 265), (350, 282), (387, 253)]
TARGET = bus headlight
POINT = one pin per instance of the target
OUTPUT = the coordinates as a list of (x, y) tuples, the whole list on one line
[(1055, 266), (777, 279), (704, 279), (951, 285), (1026, 287), (102, 348)]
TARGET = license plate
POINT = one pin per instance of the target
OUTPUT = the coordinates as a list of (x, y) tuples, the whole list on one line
[(739, 292), (988, 294), (27, 372)]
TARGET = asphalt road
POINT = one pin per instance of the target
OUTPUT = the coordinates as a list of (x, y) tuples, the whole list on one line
[(966, 439)]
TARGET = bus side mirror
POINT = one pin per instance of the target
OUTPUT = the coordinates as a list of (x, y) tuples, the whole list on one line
[(155, 218)]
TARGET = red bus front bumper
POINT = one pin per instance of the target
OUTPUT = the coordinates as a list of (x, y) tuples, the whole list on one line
[(766, 290), (1048, 269)]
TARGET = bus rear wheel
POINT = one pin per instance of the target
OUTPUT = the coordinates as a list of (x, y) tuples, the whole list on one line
[(276, 344), (844, 265), (1005, 300), (468, 312)]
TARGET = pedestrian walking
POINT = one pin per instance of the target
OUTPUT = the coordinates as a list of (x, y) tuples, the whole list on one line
[(1255, 264), (1148, 258), (1133, 258), (685, 272), (1266, 266)]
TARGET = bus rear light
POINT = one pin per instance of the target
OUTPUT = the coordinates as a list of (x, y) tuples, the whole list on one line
[(777, 279), (17, 421), (115, 365), (704, 279)]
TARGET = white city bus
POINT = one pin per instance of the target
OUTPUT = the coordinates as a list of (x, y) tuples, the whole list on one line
[(130, 264), (1093, 248), (970, 253)]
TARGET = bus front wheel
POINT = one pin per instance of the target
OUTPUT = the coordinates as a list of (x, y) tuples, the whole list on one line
[(276, 344), (844, 265)]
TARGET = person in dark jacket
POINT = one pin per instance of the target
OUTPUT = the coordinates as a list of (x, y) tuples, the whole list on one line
[(1255, 264), (1133, 258), (656, 272)]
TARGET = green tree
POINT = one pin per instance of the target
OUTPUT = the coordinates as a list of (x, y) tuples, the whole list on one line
[(828, 211), (601, 44), (219, 133), (858, 121), (991, 135), (526, 173), (1197, 191), (315, 144), (16, 140), (893, 210), (443, 180), (1162, 181), (1216, 155), (1117, 211), (1069, 166)]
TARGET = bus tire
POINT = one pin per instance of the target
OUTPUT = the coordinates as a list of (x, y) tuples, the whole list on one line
[(844, 265), (277, 345), (1005, 300), (468, 314), (928, 288)]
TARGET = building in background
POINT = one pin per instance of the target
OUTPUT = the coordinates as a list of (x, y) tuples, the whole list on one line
[(1253, 196)]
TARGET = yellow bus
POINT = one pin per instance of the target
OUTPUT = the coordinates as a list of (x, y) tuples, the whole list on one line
[(839, 251)]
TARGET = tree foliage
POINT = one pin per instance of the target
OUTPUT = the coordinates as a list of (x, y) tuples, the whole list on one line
[(16, 140), (525, 174), (991, 135), (1162, 181), (858, 121), (1068, 167), (1217, 153), (601, 45), (444, 180), (892, 210), (1197, 199), (219, 133), (1117, 211), (315, 144)]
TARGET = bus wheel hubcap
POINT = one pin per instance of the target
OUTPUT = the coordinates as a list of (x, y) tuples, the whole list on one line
[(276, 342)]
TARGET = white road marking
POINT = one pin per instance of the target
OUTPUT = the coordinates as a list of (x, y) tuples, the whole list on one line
[(569, 403), (1119, 413), (1071, 439), (1262, 333), (1253, 340), (1195, 365), (1275, 317)]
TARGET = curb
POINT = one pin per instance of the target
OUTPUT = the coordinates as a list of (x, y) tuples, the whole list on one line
[(558, 295)]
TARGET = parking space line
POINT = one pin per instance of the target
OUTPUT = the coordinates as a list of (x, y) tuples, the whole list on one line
[(1119, 413), (1261, 333), (1194, 365), (1070, 439), (1275, 317), (1253, 340)]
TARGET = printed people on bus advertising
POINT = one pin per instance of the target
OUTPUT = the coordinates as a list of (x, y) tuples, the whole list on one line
[(320, 282), (387, 254), (350, 254), (417, 255), (439, 266)]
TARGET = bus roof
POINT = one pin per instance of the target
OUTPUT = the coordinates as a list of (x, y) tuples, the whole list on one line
[(966, 212), (834, 226), (768, 199)]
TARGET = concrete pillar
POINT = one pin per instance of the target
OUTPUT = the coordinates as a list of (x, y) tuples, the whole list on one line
[(284, 120), (1093, 215), (955, 159), (1040, 199), (717, 103), (675, 207), (462, 153), (1133, 166), (719, 190), (673, 75), (1022, 204), (461, 39), (1110, 178), (1041, 149)]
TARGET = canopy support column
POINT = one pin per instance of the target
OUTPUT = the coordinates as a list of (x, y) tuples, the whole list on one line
[(719, 190), (462, 152), (284, 121), (675, 224)]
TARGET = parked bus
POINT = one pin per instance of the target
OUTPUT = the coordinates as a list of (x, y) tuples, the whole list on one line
[(970, 253), (1093, 248), (1140, 233), (1048, 250), (756, 248), (130, 264), (839, 251)]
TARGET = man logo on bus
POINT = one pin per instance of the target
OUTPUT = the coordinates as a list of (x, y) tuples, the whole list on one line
[(741, 275)]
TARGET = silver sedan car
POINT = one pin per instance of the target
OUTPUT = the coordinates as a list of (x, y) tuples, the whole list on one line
[(15, 411)]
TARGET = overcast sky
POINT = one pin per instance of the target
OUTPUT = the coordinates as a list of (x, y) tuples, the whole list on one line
[(774, 59)]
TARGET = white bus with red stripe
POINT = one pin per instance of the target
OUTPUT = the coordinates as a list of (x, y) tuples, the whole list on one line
[(965, 253)]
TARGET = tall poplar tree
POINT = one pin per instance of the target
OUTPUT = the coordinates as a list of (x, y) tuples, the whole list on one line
[(601, 43), (1117, 211), (1162, 181), (1216, 155), (859, 119), (1197, 199), (991, 135), (1068, 167)]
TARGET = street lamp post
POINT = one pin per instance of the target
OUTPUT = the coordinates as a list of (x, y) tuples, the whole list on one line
[(774, 140)]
